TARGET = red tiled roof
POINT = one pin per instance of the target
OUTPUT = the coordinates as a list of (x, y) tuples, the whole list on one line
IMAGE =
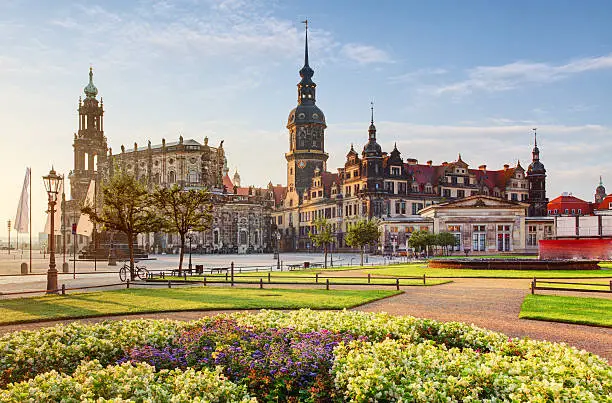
[(605, 203), (227, 182)]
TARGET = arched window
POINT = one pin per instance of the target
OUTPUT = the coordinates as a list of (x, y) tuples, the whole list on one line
[(243, 237), (171, 177)]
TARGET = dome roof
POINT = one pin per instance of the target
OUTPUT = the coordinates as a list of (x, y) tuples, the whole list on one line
[(90, 89), (536, 167), (306, 114), (372, 149)]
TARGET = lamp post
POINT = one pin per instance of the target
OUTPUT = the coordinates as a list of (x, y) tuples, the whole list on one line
[(9, 234), (278, 237), (190, 237), (52, 182)]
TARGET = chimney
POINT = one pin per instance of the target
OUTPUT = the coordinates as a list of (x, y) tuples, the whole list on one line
[(482, 167), (444, 163), (412, 161), (506, 166), (429, 162)]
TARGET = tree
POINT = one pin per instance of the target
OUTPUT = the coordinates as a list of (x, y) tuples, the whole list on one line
[(362, 233), (182, 211), (126, 208), (322, 236), (446, 239), (418, 240)]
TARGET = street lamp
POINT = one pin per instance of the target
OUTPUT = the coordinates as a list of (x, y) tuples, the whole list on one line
[(190, 237), (278, 237), (52, 182), (9, 234)]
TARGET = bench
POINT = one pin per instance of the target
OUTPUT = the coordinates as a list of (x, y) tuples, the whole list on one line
[(294, 266), (218, 270)]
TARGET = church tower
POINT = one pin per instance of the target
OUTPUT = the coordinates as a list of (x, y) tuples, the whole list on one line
[(536, 176), (306, 126), (600, 192), (89, 144)]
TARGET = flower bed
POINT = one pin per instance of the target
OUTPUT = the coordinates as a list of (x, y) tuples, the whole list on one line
[(293, 356)]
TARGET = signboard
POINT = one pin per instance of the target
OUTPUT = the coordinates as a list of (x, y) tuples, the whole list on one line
[(74, 229)]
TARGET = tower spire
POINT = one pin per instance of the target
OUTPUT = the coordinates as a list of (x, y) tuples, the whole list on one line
[(306, 87), (305, 22), (372, 128), (535, 136)]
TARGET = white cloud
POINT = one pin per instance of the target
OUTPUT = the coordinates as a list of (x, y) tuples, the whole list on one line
[(418, 74), (520, 73), (364, 54)]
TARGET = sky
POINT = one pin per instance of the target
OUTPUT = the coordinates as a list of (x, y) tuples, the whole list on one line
[(446, 77)]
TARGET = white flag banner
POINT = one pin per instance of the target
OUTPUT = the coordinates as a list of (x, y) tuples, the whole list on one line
[(85, 226), (58, 214), (22, 219)]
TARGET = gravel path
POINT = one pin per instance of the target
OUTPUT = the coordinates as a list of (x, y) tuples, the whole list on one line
[(489, 303)]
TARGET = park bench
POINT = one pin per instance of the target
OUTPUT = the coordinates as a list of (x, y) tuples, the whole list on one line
[(294, 266), (218, 270)]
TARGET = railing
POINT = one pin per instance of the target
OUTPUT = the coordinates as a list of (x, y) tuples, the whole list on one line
[(605, 288)]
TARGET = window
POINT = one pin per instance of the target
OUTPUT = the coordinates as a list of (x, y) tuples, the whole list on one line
[(280, 220), (566, 211), (456, 231), (446, 193), (579, 211), (428, 188), (479, 238), (460, 193), (503, 238), (532, 238), (556, 211), (514, 197), (454, 180), (573, 211), (395, 171), (216, 237)]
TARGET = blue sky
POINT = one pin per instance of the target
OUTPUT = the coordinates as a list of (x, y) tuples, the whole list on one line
[(447, 77)]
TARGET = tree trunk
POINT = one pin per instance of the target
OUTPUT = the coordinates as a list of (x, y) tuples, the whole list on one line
[(361, 253), (131, 249), (181, 254), (325, 251)]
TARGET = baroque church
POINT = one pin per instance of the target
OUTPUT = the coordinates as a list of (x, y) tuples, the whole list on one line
[(241, 215), (403, 194)]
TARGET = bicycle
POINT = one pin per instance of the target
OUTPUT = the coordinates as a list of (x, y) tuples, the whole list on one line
[(140, 272)]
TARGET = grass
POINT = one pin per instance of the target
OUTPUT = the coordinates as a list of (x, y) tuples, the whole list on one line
[(418, 269), (579, 310), (146, 300), (303, 277)]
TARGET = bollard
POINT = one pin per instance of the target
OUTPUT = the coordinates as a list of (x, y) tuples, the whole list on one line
[(185, 275), (327, 284), (268, 278), (260, 282), (169, 284), (317, 278), (127, 283), (63, 289), (24, 268), (423, 278), (368, 278), (533, 284), (232, 267), (204, 281), (397, 284)]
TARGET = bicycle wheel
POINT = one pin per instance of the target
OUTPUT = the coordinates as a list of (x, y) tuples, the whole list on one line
[(123, 274), (142, 273)]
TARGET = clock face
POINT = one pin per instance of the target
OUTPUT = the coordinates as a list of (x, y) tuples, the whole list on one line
[(301, 164)]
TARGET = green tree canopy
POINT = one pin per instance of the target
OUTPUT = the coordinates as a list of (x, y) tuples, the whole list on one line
[(322, 236), (126, 208), (362, 233), (182, 211)]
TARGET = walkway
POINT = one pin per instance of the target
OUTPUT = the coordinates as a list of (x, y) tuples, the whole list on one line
[(489, 303)]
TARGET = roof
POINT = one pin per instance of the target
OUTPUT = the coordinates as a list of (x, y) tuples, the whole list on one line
[(567, 199), (605, 203), (227, 182)]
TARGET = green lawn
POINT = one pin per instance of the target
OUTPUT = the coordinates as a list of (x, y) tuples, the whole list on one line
[(580, 310), (143, 300), (308, 277), (418, 269)]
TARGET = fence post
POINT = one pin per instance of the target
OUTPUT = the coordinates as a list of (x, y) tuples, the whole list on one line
[(127, 283), (327, 284), (204, 281), (368, 278), (185, 275), (63, 289), (317, 278), (610, 285), (260, 282), (169, 284), (533, 285), (232, 267), (397, 284), (268, 277), (163, 274), (226, 274), (423, 278)]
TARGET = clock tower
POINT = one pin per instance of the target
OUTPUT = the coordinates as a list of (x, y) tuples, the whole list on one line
[(306, 126)]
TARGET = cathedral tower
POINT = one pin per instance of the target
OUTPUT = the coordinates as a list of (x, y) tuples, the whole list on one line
[(306, 126), (89, 144), (600, 192), (536, 175)]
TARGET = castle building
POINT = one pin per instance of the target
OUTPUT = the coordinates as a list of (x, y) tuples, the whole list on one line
[(241, 215), (402, 193)]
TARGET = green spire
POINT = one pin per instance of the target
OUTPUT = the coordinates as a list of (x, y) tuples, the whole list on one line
[(90, 90)]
